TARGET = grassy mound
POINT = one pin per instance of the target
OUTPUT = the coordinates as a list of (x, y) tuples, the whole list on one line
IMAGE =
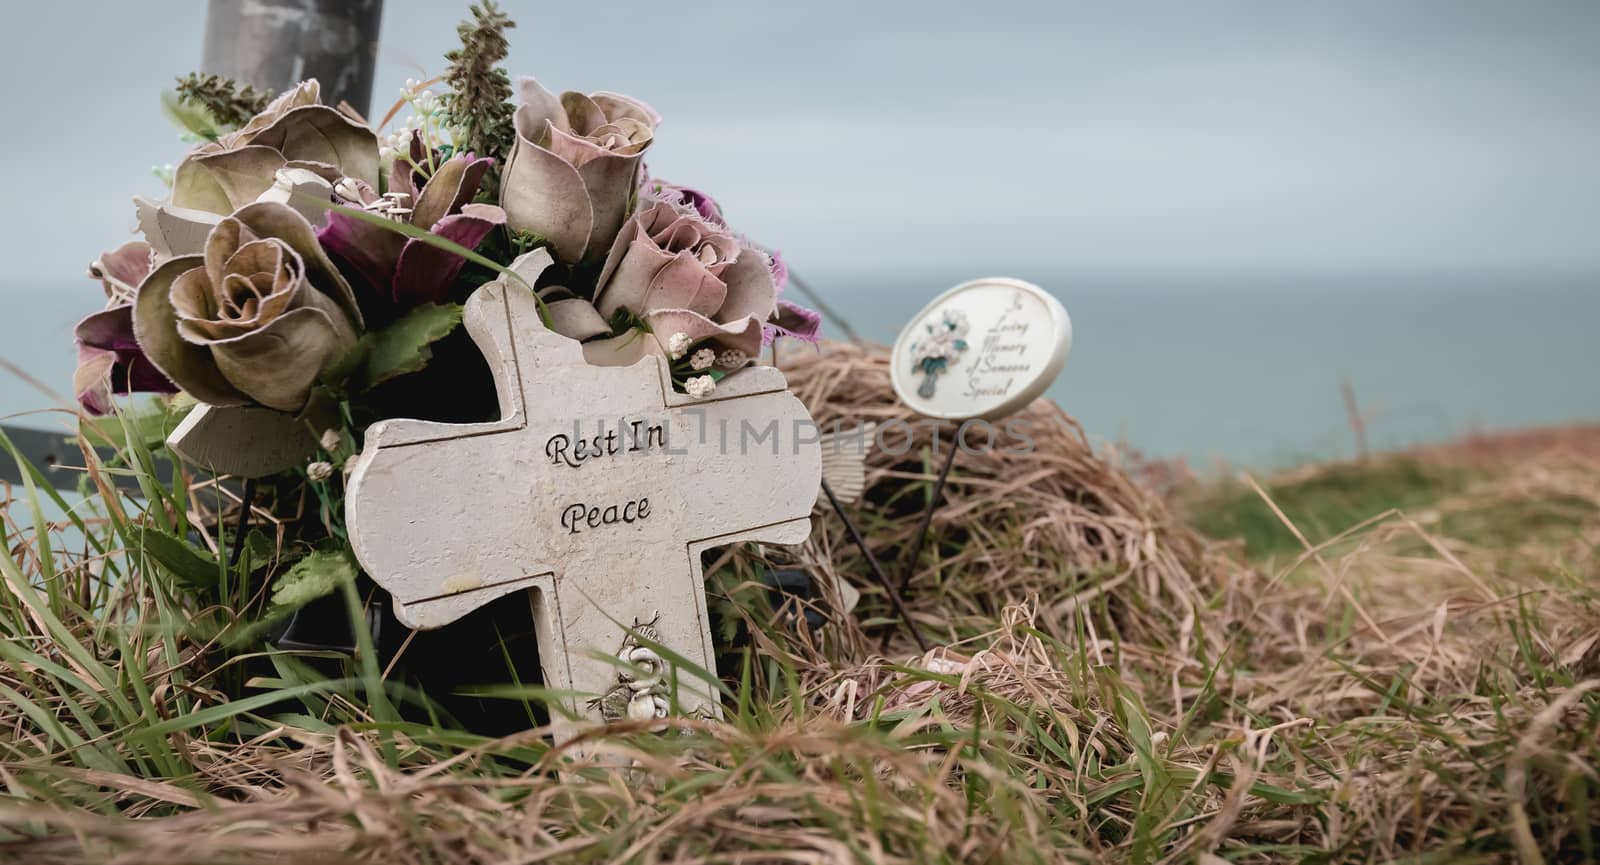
[(1109, 684), (1033, 516)]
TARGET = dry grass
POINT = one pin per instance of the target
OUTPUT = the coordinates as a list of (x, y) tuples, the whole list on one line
[(1109, 686), (717, 795), (1058, 523)]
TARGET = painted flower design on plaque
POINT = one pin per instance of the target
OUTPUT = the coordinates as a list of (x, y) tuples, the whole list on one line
[(597, 490), (940, 348)]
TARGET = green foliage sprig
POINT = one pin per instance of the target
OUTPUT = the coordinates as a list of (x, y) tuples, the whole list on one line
[(229, 103), (480, 91)]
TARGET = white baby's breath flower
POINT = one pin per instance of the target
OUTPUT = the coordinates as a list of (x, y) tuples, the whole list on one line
[(732, 359), (700, 386), (330, 440), (319, 470), (677, 344), (703, 359)]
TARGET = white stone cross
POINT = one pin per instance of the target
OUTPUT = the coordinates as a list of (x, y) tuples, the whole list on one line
[(598, 490)]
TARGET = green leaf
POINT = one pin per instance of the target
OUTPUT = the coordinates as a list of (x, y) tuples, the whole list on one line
[(191, 117), (186, 564), (526, 241), (625, 319), (201, 719), (151, 420), (337, 374), (402, 347), (315, 576), (1161, 801)]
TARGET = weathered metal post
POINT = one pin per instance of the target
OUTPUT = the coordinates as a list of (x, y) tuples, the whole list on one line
[(275, 44)]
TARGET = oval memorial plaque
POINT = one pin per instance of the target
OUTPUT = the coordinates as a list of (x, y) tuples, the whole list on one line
[(983, 349)]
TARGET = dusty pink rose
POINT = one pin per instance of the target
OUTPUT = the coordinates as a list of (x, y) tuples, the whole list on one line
[(295, 131), (255, 319), (574, 167), (684, 274)]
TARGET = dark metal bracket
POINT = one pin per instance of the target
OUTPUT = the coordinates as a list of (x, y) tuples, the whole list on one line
[(57, 456)]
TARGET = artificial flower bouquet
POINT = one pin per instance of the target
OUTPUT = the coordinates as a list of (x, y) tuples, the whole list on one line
[(297, 232), (307, 270)]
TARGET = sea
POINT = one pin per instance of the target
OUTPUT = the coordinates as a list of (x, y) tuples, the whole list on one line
[(1222, 371)]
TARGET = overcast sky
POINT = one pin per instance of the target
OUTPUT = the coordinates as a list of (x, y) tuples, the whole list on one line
[(972, 136)]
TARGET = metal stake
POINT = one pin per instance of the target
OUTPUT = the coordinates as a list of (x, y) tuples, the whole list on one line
[(877, 570), (910, 566), (246, 499)]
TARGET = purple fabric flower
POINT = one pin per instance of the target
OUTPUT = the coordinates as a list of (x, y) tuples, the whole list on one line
[(793, 320), (684, 274), (693, 199), (790, 319), (109, 358), (401, 270), (780, 270), (111, 362)]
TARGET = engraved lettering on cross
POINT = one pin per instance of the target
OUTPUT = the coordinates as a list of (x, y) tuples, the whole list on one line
[(448, 517)]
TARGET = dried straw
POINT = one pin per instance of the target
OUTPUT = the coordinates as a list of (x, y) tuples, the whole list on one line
[(1049, 520)]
